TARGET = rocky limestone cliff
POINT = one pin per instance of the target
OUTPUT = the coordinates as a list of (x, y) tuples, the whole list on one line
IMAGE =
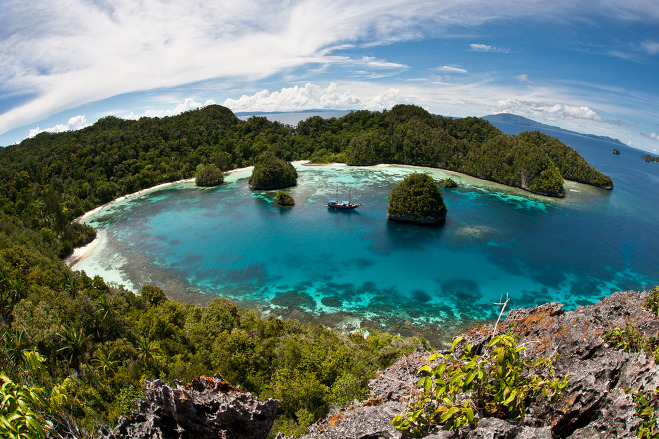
[(594, 404), (207, 408)]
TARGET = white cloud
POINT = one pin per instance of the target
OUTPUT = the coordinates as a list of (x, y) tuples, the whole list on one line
[(451, 69), (186, 105), (74, 123), (524, 78), (653, 136), (312, 96), (487, 48), (549, 111)]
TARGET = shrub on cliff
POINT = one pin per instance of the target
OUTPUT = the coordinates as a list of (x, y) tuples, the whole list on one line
[(464, 386), (209, 175), (271, 172), (417, 199)]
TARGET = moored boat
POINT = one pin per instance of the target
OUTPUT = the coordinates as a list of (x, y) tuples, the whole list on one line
[(342, 205)]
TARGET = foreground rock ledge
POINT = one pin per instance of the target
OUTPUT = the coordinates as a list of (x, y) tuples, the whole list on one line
[(594, 404), (204, 409)]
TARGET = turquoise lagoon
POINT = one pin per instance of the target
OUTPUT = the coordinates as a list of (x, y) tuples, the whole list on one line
[(357, 270)]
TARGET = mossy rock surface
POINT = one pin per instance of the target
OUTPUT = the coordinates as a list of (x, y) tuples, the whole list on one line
[(271, 172), (209, 175), (417, 199)]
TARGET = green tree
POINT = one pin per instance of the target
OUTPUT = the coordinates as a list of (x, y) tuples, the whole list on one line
[(209, 175)]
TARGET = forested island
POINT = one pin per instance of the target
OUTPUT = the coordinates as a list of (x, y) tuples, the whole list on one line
[(417, 199), (271, 172), (84, 347)]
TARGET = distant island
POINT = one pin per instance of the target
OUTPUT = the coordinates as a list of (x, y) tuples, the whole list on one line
[(648, 158), (521, 120)]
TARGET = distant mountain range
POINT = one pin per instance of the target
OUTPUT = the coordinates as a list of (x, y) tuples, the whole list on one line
[(520, 120)]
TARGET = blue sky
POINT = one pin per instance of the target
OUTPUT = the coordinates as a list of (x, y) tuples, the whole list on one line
[(589, 66)]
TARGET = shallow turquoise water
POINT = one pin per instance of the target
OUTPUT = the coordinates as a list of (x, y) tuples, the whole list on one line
[(352, 269)]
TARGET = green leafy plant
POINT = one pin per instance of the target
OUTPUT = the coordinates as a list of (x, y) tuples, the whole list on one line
[(652, 301), (647, 406), (628, 339), (464, 386), (22, 405)]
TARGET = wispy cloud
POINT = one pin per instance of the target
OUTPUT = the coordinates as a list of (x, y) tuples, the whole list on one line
[(381, 64), (487, 48), (523, 78), (653, 136), (650, 47), (451, 69)]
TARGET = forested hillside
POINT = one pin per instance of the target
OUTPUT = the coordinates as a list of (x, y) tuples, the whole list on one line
[(97, 343)]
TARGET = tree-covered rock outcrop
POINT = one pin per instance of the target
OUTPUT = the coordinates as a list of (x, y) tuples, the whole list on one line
[(569, 163), (209, 175), (271, 172), (417, 199), (448, 183), (284, 199)]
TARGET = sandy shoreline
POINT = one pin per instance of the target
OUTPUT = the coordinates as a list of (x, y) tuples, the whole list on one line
[(144, 191), (79, 253)]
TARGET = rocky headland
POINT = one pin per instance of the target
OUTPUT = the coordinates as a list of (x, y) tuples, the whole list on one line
[(595, 403)]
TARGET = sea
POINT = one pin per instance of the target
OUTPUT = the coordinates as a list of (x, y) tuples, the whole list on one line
[(357, 271)]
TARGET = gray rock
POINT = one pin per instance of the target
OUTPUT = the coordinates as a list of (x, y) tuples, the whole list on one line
[(207, 408)]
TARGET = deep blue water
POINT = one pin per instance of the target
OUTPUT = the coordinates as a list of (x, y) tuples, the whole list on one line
[(356, 269)]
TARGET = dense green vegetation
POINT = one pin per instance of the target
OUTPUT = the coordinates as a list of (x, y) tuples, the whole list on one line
[(417, 199), (284, 199), (97, 343), (209, 175), (103, 342), (271, 172)]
